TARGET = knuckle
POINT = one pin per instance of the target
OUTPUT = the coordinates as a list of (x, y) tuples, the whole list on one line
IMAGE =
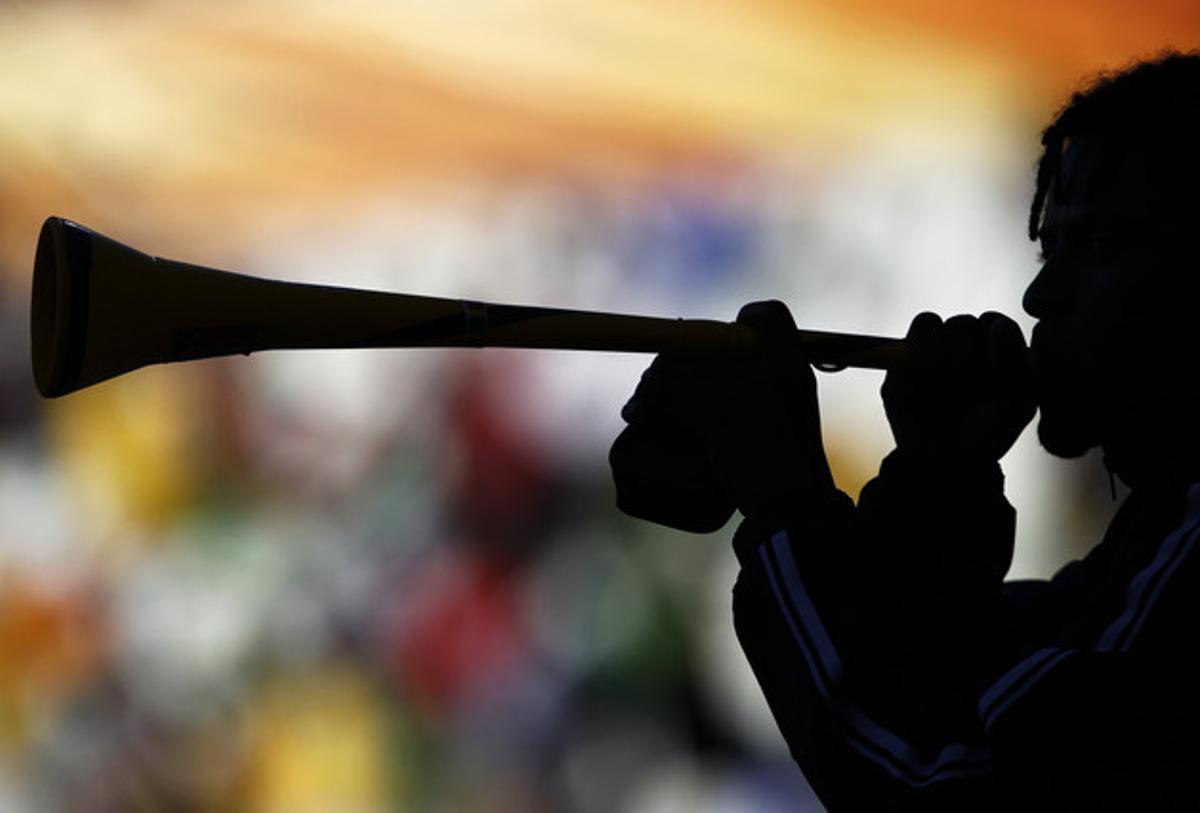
[(923, 325), (962, 323), (769, 314)]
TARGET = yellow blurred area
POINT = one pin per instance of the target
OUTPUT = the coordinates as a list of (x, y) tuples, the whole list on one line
[(133, 450), (321, 745)]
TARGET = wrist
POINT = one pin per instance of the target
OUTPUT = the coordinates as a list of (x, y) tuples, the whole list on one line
[(783, 508), (954, 470)]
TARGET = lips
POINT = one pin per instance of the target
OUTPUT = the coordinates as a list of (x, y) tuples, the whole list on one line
[(1037, 347), (1037, 336), (1046, 342), (1045, 351)]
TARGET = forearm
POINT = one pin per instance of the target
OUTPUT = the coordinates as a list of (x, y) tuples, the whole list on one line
[(889, 701), (861, 715), (851, 619)]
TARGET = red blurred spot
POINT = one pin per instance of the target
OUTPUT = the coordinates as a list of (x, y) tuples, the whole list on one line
[(459, 630)]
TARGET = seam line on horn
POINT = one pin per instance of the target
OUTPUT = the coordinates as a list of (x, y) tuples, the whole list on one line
[(475, 322)]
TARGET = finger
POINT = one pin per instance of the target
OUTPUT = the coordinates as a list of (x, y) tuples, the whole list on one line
[(903, 383), (1009, 356), (920, 340), (732, 386), (1004, 341), (783, 375), (923, 326), (770, 317), (671, 379), (923, 336), (962, 341)]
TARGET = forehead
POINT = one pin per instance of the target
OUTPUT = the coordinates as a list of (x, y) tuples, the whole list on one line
[(1095, 185)]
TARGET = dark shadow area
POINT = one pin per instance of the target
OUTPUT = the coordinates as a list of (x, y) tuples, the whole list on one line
[(900, 666)]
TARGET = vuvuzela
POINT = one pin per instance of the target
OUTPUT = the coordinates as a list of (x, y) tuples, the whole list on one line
[(101, 308)]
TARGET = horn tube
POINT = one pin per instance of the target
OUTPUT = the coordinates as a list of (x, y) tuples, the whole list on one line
[(101, 309)]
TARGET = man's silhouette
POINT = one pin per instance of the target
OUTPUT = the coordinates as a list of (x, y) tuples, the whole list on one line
[(902, 670)]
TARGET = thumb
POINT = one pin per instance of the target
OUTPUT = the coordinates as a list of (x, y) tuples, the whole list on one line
[(769, 317)]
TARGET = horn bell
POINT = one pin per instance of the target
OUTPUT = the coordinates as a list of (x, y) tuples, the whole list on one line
[(94, 311), (64, 312)]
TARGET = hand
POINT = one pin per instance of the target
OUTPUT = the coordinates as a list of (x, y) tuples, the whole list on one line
[(752, 419), (663, 475), (966, 391)]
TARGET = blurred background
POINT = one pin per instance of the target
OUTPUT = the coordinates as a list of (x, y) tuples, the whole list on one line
[(396, 580)]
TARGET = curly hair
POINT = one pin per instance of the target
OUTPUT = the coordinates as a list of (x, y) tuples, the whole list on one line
[(1152, 107)]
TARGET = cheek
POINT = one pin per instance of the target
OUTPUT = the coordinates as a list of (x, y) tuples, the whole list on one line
[(1079, 362), (1114, 326), (1128, 331)]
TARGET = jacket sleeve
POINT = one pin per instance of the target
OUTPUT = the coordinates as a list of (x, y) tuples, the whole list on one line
[(904, 677)]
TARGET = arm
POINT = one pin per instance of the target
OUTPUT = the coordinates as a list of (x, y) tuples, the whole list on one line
[(892, 613), (754, 423), (869, 668), (904, 675), (900, 673), (915, 725), (755, 432)]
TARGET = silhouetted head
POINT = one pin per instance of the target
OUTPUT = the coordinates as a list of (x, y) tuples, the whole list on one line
[(1116, 208)]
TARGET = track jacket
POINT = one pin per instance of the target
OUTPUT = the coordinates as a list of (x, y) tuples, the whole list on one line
[(905, 674)]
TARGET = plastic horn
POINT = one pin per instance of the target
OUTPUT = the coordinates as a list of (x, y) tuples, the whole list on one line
[(101, 309)]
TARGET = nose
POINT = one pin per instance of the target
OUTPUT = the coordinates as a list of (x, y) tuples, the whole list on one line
[(1045, 295)]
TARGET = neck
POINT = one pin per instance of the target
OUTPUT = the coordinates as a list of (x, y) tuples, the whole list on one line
[(1162, 457)]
